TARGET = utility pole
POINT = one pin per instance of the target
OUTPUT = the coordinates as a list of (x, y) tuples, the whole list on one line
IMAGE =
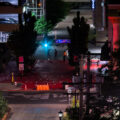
[(81, 88), (88, 86), (44, 8)]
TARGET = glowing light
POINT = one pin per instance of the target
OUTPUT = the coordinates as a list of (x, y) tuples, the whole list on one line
[(46, 45), (115, 35), (115, 22), (39, 4), (95, 64), (63, 41), (93, 4)]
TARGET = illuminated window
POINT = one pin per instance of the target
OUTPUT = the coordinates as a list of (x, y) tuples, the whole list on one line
[(39, 4)]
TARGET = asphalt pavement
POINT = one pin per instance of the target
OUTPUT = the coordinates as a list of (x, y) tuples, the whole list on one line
[(45, 71)]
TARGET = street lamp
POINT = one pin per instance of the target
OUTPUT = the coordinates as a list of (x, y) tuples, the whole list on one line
[(46, 45), (60, 115)]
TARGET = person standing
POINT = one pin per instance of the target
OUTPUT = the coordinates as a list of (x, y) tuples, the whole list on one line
[(55, 53), (64, 56)]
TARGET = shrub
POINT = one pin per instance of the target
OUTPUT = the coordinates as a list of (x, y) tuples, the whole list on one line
[(73, 113), (3, 106)]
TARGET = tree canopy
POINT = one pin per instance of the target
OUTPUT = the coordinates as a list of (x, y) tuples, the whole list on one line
[(42, 26), (79, 37), (56, 10), (23, 41), (101, 108)]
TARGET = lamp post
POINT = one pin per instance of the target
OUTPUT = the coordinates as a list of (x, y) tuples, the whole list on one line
[(60, 115)]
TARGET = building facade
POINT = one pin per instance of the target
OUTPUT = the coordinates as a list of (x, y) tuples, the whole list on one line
[(113, 13), (36, 6), (99, 20), (11, 10), (99, 14), (106, 17)]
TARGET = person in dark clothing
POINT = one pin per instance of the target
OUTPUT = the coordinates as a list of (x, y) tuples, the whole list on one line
[(64, 55), (48, 54), (55, 53)]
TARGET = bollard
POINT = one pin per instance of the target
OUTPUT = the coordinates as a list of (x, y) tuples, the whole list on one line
[(48, 88), (12, 78), (38, 87), (25, 87), (45, 87), (42, 87)]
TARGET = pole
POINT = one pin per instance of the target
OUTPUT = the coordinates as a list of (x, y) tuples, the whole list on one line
[(13, 78), (81, 88), (21, 74), (44, 8), (88, 86), (75, 99)]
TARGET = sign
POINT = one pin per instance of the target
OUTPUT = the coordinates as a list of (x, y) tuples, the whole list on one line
[(69, 90), (21, 66), (63, 41), (66, 87), (21, 59)]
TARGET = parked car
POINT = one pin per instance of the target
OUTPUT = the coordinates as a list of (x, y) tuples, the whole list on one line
[(4, 21), (7, 21), (13, 21), (6, 4)]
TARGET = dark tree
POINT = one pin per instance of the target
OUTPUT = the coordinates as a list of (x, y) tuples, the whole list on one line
[(116, 62), (79, 37), (105, 52), (23, 41), (42, 27), (4, 56), (101, 108), (56, 10)]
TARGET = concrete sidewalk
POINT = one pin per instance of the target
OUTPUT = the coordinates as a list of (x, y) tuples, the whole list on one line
[(8, 87)]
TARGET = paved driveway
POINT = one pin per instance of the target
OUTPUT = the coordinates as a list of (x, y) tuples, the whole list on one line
[(36, 111), (36, 106)]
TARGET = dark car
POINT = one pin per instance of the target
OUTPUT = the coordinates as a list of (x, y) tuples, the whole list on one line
[(5, 21), (13, 21), (6, 4)]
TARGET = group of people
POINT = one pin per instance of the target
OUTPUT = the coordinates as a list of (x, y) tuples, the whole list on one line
[(49, 55), (56, 54)]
